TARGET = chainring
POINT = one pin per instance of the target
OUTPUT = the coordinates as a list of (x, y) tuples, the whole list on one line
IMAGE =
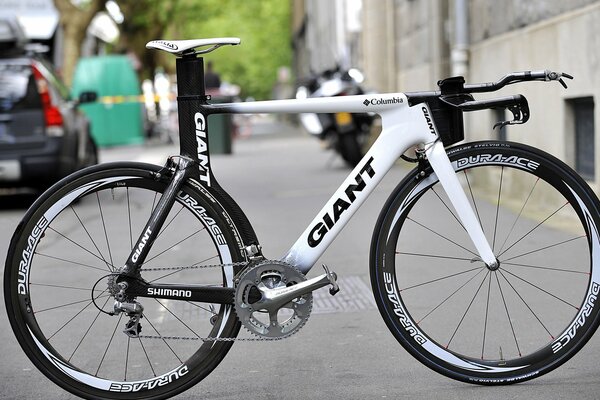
[(289, 318)]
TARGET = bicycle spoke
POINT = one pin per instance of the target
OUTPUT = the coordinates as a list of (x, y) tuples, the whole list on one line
[(153, 204), (59, 286), (89, 235), (127, 358), (68, 304), (87, 331), (433, 256), (147, 358), (442, 236), (473, 199), (452, 294), (519, 215), (78, 313), (111, 266), (103, 270), (440, 279), (448, 208), (169, 248), (130, 227), (164, 341), (169, 223), (512, 328), (497, 208), (177, 318), (539, 288), (108, 345), (545, 248), (104, 226), (209, 310), (533, 229), (487, 308), (544, 268), (468, 308), (526, 305)]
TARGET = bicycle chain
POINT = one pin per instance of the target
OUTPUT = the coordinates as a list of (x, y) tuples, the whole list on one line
[(205, 339), (235, 264)]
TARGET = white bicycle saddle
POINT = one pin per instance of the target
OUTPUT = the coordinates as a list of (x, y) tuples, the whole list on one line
[(181, 47)]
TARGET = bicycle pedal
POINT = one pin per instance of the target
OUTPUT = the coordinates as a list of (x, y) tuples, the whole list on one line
[(332, 276)]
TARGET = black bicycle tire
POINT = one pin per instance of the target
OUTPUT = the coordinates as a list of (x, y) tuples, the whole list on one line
[(198, 371), (403, 334)]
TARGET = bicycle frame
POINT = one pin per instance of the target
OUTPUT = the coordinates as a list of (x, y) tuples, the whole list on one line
[(404, 126)]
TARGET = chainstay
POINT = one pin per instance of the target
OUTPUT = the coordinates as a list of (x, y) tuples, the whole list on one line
[(206, 339)]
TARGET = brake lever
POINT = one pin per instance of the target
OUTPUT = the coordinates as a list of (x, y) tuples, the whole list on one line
[(520, 112), (558, 76)]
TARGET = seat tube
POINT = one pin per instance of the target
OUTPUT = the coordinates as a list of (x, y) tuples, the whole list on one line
[(193, 114), (191, 100)]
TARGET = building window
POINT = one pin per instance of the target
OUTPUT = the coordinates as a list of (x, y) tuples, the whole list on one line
[(583, 118)]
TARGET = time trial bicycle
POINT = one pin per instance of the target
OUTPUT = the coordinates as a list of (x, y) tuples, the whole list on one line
[(484, 263)]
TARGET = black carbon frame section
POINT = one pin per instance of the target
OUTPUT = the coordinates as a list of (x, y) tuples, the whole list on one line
[(191, 99), (190, 76), (235, 212), (188, 145)]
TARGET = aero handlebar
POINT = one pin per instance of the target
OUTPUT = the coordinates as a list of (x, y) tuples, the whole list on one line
[(515, 77)]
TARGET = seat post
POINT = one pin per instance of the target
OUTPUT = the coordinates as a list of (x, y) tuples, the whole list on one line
[(190, 76), (193, 119)]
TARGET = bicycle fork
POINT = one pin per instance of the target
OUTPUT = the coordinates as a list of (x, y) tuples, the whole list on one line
[(438, 159)]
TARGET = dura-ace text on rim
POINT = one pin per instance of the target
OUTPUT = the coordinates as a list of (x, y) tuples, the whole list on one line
[(481, 324)]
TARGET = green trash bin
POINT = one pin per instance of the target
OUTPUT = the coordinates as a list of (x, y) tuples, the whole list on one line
[(116, 118), (221, 128)]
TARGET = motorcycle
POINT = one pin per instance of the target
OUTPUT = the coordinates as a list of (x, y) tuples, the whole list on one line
[(344, 132)]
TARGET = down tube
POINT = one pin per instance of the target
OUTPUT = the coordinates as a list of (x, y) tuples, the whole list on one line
[(350, 196)]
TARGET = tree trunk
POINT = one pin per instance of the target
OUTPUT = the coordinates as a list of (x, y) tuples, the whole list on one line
[(74, 22)]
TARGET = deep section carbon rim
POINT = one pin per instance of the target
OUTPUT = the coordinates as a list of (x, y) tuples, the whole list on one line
[(473, 322), (73, 244)]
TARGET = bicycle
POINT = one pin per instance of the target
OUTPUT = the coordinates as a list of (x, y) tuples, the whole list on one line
[(108, 308)]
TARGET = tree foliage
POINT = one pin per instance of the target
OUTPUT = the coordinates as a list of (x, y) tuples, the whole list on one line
[(145, 20), (263, 26), (74, 21)]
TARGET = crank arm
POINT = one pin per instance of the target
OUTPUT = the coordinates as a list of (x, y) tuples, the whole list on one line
[(274, 299)]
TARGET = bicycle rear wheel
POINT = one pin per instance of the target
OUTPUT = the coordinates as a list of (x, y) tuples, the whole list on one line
[(482, 325), (57, 293)]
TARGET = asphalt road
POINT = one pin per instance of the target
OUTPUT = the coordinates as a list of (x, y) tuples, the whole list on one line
[(345, 351)]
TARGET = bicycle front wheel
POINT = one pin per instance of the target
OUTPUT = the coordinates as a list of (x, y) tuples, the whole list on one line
[(58, 293), (486, 325)]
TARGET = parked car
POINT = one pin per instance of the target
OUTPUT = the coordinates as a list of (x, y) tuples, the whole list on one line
[(43, 134)]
